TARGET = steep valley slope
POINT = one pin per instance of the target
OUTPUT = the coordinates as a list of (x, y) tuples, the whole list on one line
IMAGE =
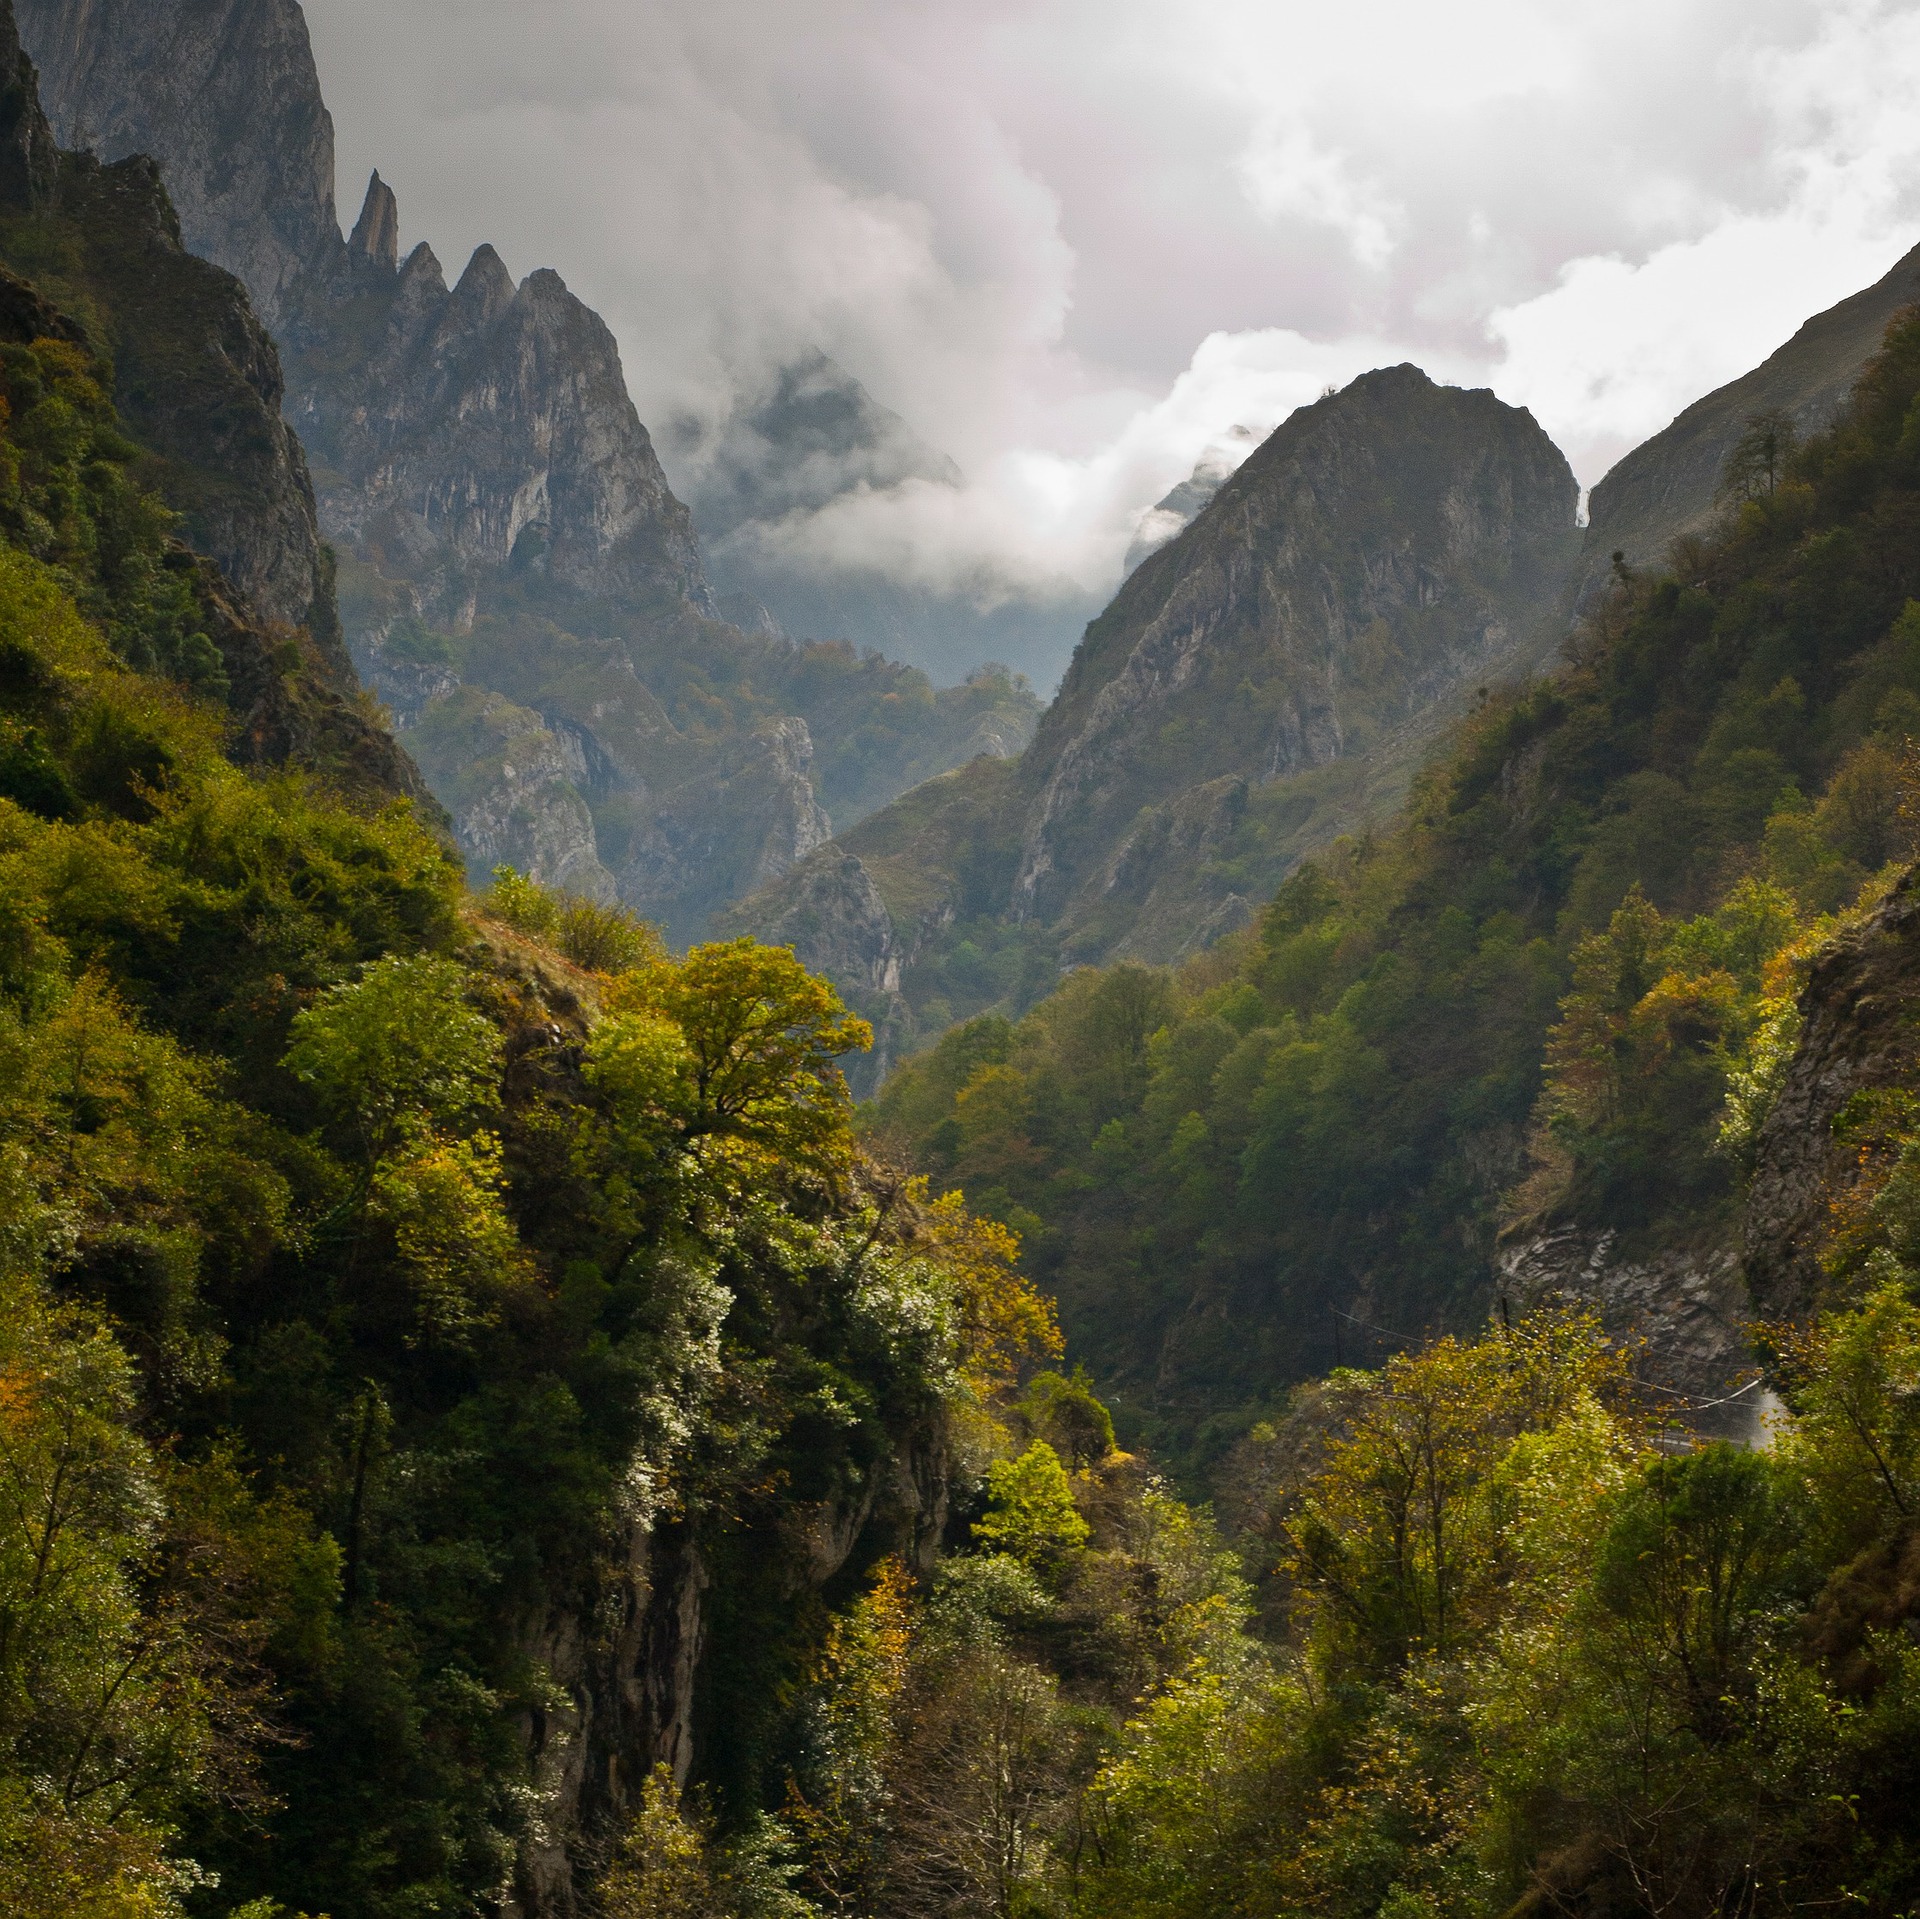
[(399, 1466)]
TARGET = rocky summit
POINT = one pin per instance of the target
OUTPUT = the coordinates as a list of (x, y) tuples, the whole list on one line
[(1261, 683), (466, 432)]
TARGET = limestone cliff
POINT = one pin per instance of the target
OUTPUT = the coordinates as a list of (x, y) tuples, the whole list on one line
[(198, 382), (477, 455), (1385, 545), (225, 98), (469, 433), (474, 425)]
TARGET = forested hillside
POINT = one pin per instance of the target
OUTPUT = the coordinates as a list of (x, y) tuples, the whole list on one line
[(1520, 1009), (414, 1305)]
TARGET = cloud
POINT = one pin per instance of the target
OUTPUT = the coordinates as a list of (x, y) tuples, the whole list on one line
[(1074, 242)]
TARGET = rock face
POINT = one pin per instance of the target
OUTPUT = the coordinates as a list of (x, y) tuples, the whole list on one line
[(197, 380), (223, 94), (482, 431), (1669, 486), (1687, 1310), (513, 785), (736, 823), (475, 426), (1859, 1035), (1383, 546), (1170, 516)]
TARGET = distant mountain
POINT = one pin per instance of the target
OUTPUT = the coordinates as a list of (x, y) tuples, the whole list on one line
[(518, 579), (466, 435), (812, 435), (1170, 516), (1670, 486), (1263, 681)]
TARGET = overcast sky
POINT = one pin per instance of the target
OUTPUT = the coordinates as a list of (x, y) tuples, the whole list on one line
[(1076, 241)]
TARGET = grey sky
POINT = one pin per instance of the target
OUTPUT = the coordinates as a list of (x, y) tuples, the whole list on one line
[(1075, 241)]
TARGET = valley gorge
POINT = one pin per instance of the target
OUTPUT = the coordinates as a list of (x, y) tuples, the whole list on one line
[(653, 1272)]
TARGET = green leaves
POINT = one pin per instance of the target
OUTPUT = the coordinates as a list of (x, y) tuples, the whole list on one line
[(1030, 1515), (397, 1052)]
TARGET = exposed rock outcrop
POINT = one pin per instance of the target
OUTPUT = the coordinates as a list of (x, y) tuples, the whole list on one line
[(741, 820), (1860, 1034), (1685, 1312), (480, 430), (1385, 545), (1171, 515), (495, 419), (224, 96), (513, 784)]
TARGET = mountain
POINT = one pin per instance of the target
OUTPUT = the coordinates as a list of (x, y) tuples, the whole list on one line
[(222, 96), (468, 435), (479, 1434), (1525, 1044), (1670, 486), (197, 384), (812, 435), (1262, 682), (797, 442), (506, 532)]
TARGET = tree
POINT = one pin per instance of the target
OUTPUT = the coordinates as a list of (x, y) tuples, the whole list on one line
[(1030, 1512), (729, 1053), (1401, 1547), (1758, 462), (397, 1050), (661, 1870)]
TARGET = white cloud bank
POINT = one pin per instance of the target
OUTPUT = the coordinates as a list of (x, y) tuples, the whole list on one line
[(1075, 242)]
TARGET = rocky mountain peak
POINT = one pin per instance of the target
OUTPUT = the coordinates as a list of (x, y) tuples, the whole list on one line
[(1384, 546), (224, 95), (486, 289), (376, 236)]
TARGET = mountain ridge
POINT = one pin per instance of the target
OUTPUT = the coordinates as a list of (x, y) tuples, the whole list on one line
[(1264, 681)]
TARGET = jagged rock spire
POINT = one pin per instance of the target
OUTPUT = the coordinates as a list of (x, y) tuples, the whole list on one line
[(376, 239), (486, 288)]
